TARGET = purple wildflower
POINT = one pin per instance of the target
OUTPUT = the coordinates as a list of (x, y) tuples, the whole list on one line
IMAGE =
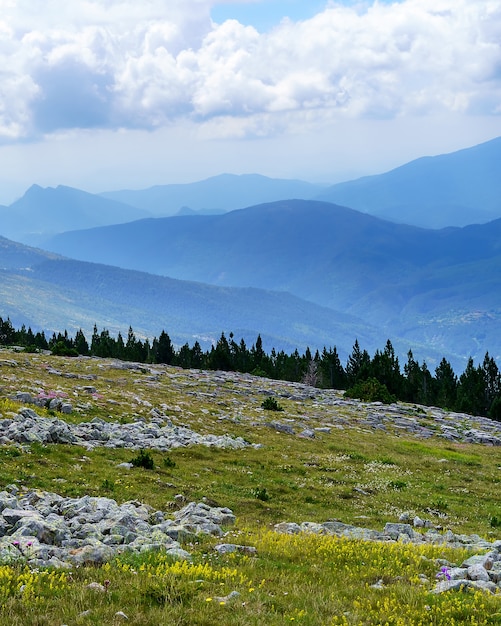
[(444, 573)]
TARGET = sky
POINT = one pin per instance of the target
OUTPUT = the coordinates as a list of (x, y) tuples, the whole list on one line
[(120, 94)]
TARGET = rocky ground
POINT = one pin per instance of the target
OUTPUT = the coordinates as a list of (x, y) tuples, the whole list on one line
[(86, 402), (233, 396)]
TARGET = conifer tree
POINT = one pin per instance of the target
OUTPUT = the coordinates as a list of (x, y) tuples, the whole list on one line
[(80, 343), (471, 390), (163, 350), (358, 365), (445, 394)]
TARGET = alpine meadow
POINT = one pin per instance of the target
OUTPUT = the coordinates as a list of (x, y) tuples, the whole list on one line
[(250, 307)]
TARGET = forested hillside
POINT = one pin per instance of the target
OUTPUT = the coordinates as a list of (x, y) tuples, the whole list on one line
[(435, 288), (476, 391)]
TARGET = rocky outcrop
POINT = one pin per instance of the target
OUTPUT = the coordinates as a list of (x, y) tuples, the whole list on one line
[(393, 531), (237, 397), (480, 571), (44, 529), (158, 433)]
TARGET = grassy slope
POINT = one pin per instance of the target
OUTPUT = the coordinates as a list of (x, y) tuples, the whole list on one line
[(305, 479)]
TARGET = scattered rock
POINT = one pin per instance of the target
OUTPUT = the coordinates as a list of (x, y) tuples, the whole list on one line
[(97, 587), (480, 571), (227, 548), (44, 529), (8, 363), (378, 585), (28, 427), (233, 595)]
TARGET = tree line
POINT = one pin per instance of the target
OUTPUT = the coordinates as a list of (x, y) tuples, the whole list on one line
[(476, 391)]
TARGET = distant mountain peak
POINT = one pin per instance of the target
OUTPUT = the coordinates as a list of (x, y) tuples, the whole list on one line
[(41, 212), (454, 189)]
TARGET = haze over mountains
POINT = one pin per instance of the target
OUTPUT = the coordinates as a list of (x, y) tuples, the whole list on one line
[(423, 285), (53, 293), (218, 194), (454, 189), (43, 212), (297, 270)]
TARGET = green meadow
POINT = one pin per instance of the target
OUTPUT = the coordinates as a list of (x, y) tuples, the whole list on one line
[(350, 473)]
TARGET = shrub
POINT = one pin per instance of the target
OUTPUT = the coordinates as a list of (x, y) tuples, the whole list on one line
[(260, 493), (61, 349), (108, 485), (143, 459), (397, 485), (271, 404), (370, 390), (168, 462)]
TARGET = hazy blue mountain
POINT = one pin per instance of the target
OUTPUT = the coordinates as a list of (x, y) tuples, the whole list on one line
[(53, 293), (429, 286), (45, 211), (187, 212), (218, 193), (454, 189), (17, 256)]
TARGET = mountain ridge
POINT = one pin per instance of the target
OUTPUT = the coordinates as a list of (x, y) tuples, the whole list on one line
[(41, 212), (224, 192), (458, 188), (395, 276), (55, 293), (454, 189)]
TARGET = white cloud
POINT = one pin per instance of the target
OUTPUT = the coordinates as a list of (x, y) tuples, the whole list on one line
[(117, 63)]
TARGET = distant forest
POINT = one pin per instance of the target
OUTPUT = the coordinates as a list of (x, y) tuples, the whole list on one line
[(477, 391)]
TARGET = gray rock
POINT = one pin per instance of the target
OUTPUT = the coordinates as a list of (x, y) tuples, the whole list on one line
[(12, 516), (495, 573), (289, 528), (228, 548), (204, 518), (476, 559), (281, 428), (461, 584), (396, 531), (484, 585), (478, 572), (47, 532), (233, 595), (24, 397), (8, 363), (307, 433), (46, 529), (28, 427), (379, 585), (7, 501)]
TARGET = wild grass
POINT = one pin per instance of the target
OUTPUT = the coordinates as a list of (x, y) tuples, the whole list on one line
[(306, 579), (352, 473)]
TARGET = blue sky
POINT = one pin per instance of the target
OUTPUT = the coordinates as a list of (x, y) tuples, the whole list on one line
[(110, 94), (267, 14)]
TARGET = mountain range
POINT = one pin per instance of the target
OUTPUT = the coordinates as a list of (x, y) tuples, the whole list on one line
[(52, 293), (217, 194), (454, 189), (440, 287), (300, 271), (44, 212)]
